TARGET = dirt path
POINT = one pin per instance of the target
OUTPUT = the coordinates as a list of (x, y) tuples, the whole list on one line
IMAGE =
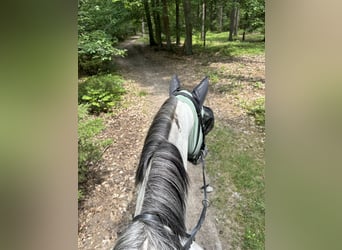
[(109, 204)]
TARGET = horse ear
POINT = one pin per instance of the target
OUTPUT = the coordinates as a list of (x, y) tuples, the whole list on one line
[(200, 91), (174, 85)]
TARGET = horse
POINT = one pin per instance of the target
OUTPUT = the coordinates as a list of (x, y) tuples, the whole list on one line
[(177, 134)]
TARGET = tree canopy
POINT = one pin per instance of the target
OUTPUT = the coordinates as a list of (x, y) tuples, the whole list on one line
[(103, 23)]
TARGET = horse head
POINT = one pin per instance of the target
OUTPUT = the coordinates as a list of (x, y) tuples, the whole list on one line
[(205, 116)]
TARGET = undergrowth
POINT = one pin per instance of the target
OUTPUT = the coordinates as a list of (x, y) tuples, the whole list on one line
[(238, 178), (101, 92), (256, 109), (89, 148)]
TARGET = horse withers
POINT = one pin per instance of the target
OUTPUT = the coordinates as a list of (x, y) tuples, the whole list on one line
[(177, 134)]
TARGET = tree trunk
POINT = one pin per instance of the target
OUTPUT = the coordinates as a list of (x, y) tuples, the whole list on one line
[(245, 26), (143, 27), (177, 24), (156, 18), (220, 16), (188, 27), (212, 15), (232, 23), (236, 21), (203, 21), (149, 23), (166, 25), (198, 16)]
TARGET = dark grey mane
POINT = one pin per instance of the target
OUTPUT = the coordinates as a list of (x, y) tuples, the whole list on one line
[(166, 189), (158, 133)]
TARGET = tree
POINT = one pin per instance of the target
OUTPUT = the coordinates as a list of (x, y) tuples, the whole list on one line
[(204, 16), (220, 11), (188, 27), (149, 23), (156, 18), (253, 13), (166, 25), (101, 24), (177, 24), (236, 21), (233, 25), (212, 14)]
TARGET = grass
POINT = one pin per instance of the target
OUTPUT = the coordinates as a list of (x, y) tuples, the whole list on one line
[(143, 39), (142, 93), (237, 175), (217, 43), (237, 170), (256, 108)]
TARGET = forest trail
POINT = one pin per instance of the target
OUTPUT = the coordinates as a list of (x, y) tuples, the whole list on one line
[(154, 75), (110, 202)]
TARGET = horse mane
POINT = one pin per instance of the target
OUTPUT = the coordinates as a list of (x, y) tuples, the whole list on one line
[(165, 192), (157, 134)]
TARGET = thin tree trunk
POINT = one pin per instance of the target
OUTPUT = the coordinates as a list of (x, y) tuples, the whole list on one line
[(149, 23), (188, 27), (203, 21), (236, 21), (211, 15), (244, 27), (177, 24), (166, 25), (220, 16), (198, 14), (156, 18), (232, 23)]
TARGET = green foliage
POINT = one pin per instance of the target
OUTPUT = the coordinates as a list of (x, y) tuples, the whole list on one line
[(258, 85), (257, 109), (115, 18), (95, 51), (101, 24), (253, 15), (101, 93), (89, 148), (213, 75)]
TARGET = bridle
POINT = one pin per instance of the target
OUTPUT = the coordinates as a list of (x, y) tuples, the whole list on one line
[(205, 122), (197, 155)]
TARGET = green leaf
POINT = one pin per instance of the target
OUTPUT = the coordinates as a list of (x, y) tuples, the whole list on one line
[(86, 98), (96, 104), (106, 98)]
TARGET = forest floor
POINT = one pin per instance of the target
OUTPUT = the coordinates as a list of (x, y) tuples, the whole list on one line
[(109, 204)]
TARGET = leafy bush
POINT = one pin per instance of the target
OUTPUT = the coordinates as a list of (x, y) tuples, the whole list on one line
[(89, 149), (101, 93), (95, 51), (100, 26)]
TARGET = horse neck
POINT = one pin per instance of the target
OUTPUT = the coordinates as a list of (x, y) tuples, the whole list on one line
[(181, 126)]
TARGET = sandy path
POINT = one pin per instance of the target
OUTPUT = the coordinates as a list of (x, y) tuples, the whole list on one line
[(110, 202)]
